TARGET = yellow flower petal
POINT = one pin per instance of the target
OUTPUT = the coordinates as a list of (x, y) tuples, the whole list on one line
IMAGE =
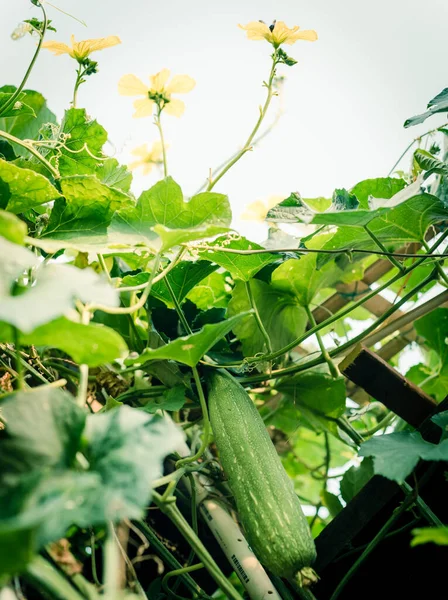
[(86, 47), (143, 108), (140, 151), (130, 85), (256, 30), (283, 35), (159, 79), (180, 84), (57, 48), (175, 107)]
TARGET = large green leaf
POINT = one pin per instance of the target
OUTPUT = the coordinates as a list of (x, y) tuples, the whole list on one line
[(239, 265), (15, 260), (280, 313), (395, 455), (27, 126), (114, 175), (43, 429), (430, 164), (92, 344), (301, 277), (22, 189), (407, 222), (17, 109), (54, 293), (438, 104), (126, 447), (81, 218), (183, 278), (161, 218), (191, 348), (316, 391), (12, 228), (81, 152), (381, 187)]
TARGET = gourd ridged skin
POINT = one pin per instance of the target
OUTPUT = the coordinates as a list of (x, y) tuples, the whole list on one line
[(267, 504)]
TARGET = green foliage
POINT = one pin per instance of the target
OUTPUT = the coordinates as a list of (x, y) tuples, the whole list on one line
[(425, 535), (282, 316), (437, 105), (355, 478)]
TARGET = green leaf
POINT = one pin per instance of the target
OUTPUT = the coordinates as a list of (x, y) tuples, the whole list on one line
[(355, 478), (114, 175), (22, 189), (80, 219), (434, 328), (81, 152), (430, 164), (161, 210), (54, 293), (16, 260), (27, 126), (282, 317), (18, 109), (438, 104), (395, 455), (301, 277), (291, 210), (171, 400), (43, 428), (190, 348), (350, 218), (213, 291), (183, 278), (381, 187), (239, 265), (406, 222), (92, 344), (343, 200), (332, 502), (126, 447), (6, 150), (316, 391), (12, 228), (434, 535)]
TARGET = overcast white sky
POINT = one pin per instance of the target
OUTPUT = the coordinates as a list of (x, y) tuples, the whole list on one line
[(374, 65)]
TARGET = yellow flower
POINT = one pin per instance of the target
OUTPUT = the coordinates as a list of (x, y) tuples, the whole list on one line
[(158, 93), (258, 210), (147, 158), (277, 33), (81, 50)]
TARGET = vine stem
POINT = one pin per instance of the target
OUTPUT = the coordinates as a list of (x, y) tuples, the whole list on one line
[(247, 145), (334, 371), (206, 424), (260, 324), (158, 123), (173, 513), (379, 536), (175, 573), (439, 267), (45, 577), (81, 397), (19, 367), (383, 248), (349, 309), (31, 150), (111, 564), (303, 366), (16, 94), (409, 146)]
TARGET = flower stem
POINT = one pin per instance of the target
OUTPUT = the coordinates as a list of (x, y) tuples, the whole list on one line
[(158, 123), (16, 94), (247, 145)]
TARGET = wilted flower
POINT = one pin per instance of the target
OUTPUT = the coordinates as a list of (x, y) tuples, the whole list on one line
[(158, 93), (147, 158), (81, 50), (277, 33)]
